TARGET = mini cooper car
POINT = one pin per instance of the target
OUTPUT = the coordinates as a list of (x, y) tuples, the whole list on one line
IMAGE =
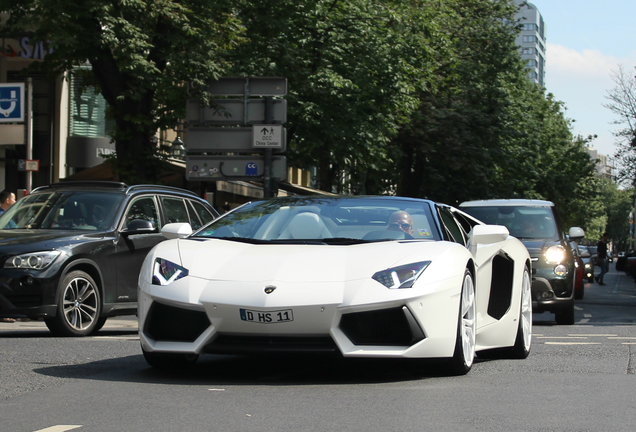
[(534, 222), (70, 253), (381, 277)]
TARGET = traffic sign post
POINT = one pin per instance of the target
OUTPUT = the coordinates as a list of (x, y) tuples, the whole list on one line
[(267, 137)]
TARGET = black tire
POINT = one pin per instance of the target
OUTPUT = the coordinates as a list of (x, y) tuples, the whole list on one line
[(578, 294), (464, 354), (169, 361), (100, 323), (565, 316), (79, 305)]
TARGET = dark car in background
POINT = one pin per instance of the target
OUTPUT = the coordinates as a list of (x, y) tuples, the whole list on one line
[(534, 222), (70, 253), (588, 262)]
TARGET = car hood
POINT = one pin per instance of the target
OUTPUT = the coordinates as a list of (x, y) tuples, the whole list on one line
[(536, 246), (26, 240), (235, 261)]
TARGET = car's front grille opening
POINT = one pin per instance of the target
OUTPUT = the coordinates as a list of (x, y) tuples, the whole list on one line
[(169, 323), (25, 301), (392, 327), (227, 343)]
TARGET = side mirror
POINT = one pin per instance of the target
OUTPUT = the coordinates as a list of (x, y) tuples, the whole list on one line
[(176, 230), (488, 234), (138, 226), (576, 233)]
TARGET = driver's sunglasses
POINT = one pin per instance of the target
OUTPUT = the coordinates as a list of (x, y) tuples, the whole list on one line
[(404, 226)]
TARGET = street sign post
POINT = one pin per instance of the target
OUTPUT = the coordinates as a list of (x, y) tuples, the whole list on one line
[(234, 111), (250, 86)]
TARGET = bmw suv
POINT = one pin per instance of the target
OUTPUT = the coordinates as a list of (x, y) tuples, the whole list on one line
[(553, 265), (70, 253)]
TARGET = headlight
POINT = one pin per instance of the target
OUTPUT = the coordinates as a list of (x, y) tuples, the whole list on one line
[(33, 261), (402, 276), (588, 266), (165, 272), (555, 254)]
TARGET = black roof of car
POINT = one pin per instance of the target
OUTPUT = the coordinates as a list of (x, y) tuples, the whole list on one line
[(113, 186)]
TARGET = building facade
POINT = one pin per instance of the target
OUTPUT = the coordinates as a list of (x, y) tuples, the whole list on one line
[(532, 40)]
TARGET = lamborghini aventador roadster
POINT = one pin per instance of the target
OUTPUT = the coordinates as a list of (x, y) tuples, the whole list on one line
[(363, 276)]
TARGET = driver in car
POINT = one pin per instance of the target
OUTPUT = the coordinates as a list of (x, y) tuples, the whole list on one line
[(401, 221)]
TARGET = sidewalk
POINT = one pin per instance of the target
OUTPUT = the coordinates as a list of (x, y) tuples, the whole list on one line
[(123, 323)]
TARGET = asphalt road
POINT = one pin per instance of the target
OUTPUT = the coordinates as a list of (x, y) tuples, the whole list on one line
[(577, 378)]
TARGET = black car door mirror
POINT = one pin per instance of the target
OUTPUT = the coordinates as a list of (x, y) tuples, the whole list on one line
[(139, 226)]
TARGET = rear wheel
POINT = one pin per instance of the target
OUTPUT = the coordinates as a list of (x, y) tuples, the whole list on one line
[(78, 306), (464, 355), (521, 349)]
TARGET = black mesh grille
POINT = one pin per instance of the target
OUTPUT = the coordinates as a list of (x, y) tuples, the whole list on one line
[(225, 343), (168, 323), (501, 286), (382, 327)]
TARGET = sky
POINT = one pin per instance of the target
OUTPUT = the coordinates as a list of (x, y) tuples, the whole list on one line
[(586, 41)]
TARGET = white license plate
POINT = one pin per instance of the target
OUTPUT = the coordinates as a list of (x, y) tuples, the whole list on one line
[(270, 317)]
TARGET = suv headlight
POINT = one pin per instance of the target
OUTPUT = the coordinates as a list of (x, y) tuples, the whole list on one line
[(32, 261), (165, 272), (555, 254), (402, 276)]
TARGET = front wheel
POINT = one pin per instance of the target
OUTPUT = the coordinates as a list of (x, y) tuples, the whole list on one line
[(464, 355), (78, 306)]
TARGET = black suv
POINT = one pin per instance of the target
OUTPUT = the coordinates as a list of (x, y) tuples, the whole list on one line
[(553, 270), (70, 253)]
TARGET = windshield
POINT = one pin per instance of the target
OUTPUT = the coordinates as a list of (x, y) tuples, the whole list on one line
[(356, 219), (524, 222), (63, 210)]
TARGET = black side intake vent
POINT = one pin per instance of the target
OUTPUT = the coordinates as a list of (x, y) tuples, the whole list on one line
[(501, 286), (169, 323), (393, 327)]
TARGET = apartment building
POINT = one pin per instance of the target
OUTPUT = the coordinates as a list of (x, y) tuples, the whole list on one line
[(532, 40)]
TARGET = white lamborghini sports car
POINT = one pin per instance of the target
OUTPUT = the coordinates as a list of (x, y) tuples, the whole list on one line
[(364, 276)]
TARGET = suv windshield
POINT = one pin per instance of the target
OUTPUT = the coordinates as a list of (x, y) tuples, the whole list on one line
[(63, 210), (524, 222)]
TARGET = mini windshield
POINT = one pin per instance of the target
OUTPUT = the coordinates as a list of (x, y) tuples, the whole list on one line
[(63, 210), (524, 222), (330, 220)]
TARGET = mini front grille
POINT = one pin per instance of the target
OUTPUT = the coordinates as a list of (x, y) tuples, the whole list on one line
[(392, 327), (169, 323)]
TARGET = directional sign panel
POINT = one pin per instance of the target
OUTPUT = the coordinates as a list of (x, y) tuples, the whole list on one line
[(12, 102), (222, 139), (232, 111), (267, 136), (212, 168), (249, 86)]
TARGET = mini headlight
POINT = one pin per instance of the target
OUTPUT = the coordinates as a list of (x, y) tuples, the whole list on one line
[(165, 272), (32, 261), (402, 276), (588, 266), (555, 254)]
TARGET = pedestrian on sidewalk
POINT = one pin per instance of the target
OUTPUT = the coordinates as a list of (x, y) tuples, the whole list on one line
[(7, 199), (602, 259)]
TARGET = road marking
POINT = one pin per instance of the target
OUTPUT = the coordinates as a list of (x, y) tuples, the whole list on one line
[(59, 428), (573, 343), (622, 338), (594, 334), (562, 337), (135, 337)]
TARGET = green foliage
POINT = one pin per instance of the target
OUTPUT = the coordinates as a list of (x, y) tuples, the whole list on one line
[(142, 53)]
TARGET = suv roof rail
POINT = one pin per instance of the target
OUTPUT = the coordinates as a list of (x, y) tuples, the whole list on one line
[(84, 183), (160, 187)]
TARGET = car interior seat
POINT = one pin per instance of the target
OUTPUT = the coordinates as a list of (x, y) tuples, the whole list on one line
[(305, 226)]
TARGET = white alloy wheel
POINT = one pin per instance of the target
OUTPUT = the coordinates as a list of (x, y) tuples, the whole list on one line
[(464, 354), (523, 342)]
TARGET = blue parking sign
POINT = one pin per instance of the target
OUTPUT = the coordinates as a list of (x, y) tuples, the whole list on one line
[(251, 169), (11, 102)]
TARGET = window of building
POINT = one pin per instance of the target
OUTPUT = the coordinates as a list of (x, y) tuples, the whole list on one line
[(87, 110), (528, 51), (529, 39), (529, 27)]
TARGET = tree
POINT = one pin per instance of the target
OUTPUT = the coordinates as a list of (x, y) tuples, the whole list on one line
[(353, 67), (623, 103), (142, 55)]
